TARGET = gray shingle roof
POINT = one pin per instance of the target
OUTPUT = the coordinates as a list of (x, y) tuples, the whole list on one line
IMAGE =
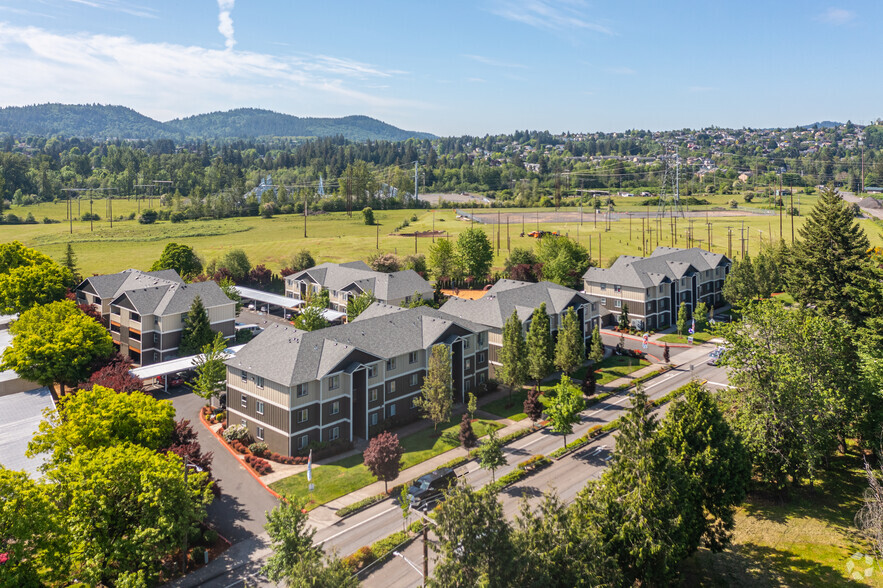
[(508, 295), (112, 285), (175, 298), (664, 265), (289, 356), (357, 274)]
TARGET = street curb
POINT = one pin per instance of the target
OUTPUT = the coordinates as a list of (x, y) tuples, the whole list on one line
[(236, 455), (640, 339)]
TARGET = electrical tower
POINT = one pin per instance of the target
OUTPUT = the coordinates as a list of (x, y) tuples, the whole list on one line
[(670, 189)]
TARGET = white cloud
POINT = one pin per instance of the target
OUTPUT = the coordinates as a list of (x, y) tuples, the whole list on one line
[(225, 22), (836, 16), (118, 6), (494, 62), (166, 80), (550, 15)]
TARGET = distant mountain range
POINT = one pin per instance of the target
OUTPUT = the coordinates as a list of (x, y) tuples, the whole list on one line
[(825, 124), (105, 121)]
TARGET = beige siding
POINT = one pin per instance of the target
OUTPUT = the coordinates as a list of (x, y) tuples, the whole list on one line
[(271, 392)]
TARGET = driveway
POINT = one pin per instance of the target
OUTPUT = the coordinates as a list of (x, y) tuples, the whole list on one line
[(239, 513)]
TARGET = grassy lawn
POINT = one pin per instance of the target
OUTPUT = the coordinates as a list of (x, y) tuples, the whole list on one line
[(514, 411), (785, 298), (349, 474), (331, 237), (804, 540), (698, 338), (611, 368)]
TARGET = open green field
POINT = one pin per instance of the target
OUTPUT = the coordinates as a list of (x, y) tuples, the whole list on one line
[(612, 368), (336, 237), (349, 474), (806, 539)]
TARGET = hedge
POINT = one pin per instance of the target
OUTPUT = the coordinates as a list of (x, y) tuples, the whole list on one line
[(360, 505), (367, 555)]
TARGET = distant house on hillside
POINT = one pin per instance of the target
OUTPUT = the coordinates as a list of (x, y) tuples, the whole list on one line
[(266, 184)]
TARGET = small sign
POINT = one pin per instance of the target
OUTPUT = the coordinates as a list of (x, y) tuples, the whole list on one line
[(690, 340), (312, 487)]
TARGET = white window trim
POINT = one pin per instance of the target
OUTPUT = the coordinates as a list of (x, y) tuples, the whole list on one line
[(259, 406), (300, 411), (259, 433), (334, 404)]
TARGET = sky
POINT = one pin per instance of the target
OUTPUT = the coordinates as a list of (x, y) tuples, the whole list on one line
[(455, 67)]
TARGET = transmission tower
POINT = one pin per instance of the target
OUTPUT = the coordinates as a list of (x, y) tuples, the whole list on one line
[(670, 190)]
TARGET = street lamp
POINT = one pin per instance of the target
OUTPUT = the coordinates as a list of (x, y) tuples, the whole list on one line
[(187, 464)]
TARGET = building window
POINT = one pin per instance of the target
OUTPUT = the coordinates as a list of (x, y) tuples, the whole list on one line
[(373, 395), (603, 286), (244, 422), (335, 433), (335, 407), (260, 433), (303, 415), (301, 390), (303, 442), (156, 356), (114, 328), (467, 385), (244, 375), (466, 343), (244, 401), (617, 303), (617, 288), (372, 371), (156, 338), (114, 309), (480, 339), (259, 407), (259, 381), (482, 377), (603, 302), (390, 364), (413, 404), (392, 387), (373, 418), (414, 379), (334, 382), (392, 410), (134, 316), (407, 300), (468, 364), (412, 357)]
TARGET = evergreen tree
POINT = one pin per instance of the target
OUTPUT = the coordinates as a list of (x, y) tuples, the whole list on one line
[(513, 355), (714, 460), (597, 346), (624, 322), (197, 331), (570, 349), (831, 252), (539, 342), (70, 262)]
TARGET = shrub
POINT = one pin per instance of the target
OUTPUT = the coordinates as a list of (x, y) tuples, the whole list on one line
[(236, 433), (259, 448), (384, 546), (177, 217), (261, 466), (360, 505), (148, 217), (210, 537)]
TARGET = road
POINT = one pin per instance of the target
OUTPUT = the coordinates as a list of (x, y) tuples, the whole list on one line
[(566, 477)]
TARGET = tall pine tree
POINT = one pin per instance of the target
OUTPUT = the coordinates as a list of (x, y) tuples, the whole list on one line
[(833, 249), (197, 331), (539, 341)]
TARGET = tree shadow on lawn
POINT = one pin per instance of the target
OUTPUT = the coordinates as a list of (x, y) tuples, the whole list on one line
[(759, 566)]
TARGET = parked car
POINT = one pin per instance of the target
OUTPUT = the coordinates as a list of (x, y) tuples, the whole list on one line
[(714, 358), (174, 380), (428, 489)]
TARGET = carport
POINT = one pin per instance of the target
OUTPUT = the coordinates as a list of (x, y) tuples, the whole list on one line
[(173, 366), (268, 299)]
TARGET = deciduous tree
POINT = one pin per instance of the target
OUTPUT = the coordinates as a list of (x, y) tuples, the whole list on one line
[(27, 286), (311, 318), (490, 454), (211, 373), (383, 457), (564, 260), (570, 349), (117, 375), (443, 261), (178, 257), (437, 398), (533, 408), (357, 304), (596, 352), (564, 409), (475, 252), (682, 318), (56, 344), (539, 341)]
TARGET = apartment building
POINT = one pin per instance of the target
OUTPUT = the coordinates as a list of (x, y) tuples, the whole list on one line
[(144, 311), (345, 280), (653, 287), (292, 388), (506, 296)]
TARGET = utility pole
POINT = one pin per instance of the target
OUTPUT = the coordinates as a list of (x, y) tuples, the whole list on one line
[(416, 163), (305, 214), (791, 212)]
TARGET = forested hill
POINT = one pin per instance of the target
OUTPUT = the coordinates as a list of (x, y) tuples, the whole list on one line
[(100, 121)]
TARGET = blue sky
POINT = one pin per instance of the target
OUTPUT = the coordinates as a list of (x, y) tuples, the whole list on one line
[(455, 67)]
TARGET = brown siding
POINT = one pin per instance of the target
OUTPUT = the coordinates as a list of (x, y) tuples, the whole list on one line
[(480, 365), (344, 413), (313, 435), (312, 418), (344, 431), (377, 403), (274, 416), (403, 386)]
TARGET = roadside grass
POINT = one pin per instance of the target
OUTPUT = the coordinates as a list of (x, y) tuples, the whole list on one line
[(501, 407), (346, 475), (331, 237), (611, 368), (698, 338), (806, 539)]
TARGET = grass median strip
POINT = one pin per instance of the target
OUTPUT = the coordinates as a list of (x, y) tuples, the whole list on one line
[(341, 477), (612, 368)]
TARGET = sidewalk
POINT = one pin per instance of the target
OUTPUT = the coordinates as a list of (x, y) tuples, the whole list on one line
[(249, 554), (697, 354)]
